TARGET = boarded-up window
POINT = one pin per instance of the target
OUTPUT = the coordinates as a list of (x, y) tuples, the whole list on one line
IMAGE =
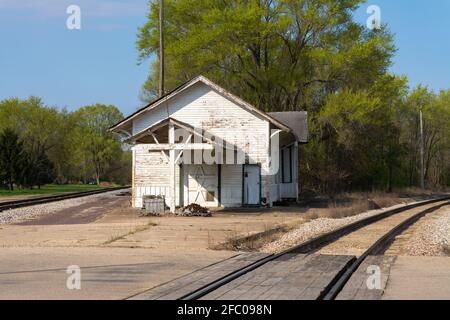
[(286, 165), (210, 196)]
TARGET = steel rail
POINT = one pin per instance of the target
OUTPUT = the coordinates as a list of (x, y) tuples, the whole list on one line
[(306, 247), (59, 197)]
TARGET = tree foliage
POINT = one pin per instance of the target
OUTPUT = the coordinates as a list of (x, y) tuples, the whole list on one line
[(279, 55), (11, 157), (436, 118), (50, 145), (362, 130), (310, 55), (98, 145)]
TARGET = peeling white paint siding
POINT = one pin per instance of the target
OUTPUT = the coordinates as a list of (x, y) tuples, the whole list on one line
[(204, 108), (151, 175), (274, 189), (148, 119)]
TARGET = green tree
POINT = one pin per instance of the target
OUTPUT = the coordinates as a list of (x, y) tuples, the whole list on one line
[(11, 157), (45, 172), (40, 128), (362, 132), (287, 55), (99, 147), (436, 118), (276, 54), (64, 153), (36, 170), (120, 169), (64, 146)]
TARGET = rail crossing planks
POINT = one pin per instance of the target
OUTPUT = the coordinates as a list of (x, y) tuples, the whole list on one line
[(291, 277), (194, 281)]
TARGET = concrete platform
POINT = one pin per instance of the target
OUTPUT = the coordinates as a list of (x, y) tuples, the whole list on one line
[(106, 273), (358, 288), (402, 278), (419, 278)]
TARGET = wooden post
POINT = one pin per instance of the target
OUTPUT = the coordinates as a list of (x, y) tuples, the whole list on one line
[(268, 196), (172, 169), (297, 170), (133, 177), (268, 177)]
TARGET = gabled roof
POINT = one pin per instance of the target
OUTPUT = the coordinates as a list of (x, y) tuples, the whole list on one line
[(190, 83)]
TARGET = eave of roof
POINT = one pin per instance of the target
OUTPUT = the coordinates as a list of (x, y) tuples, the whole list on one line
[(164, 122)]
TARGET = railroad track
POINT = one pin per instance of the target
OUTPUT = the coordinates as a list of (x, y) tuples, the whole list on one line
[(379, 247), (41, 200), (410, 214)]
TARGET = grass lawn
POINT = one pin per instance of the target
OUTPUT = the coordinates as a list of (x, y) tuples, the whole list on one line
[(49, 189)]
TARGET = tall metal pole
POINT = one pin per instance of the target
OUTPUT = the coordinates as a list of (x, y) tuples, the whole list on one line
[(161, 48), (422, 169)]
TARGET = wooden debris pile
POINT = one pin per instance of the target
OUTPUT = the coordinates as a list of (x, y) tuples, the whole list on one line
[(194, 210)]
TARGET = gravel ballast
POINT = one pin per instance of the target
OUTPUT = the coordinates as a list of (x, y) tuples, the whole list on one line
[(315, 228), (431, 237), (26, 213)]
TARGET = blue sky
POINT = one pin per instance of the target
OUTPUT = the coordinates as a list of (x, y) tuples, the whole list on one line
[(72, 68)]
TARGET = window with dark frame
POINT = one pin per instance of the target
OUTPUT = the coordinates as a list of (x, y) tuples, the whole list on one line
[(286, 165)]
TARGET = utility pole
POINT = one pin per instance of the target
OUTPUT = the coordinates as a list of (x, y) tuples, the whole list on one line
[(422, 169), (161, 48)]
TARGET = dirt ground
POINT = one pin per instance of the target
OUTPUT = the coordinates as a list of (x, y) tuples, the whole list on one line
[(119, 253), (116, 224), (16, 198), (113, 223)]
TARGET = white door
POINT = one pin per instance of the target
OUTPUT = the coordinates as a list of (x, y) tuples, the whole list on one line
[(252, 184), (202, 185)]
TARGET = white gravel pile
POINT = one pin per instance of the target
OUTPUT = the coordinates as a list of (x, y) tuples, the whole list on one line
[(432, 236), (27, 213), (311, 230)]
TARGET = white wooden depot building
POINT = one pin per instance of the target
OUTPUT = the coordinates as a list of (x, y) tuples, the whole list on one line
[(212, 119)]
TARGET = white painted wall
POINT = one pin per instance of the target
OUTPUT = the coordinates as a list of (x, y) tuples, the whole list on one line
[(151, 175), (204, 108)]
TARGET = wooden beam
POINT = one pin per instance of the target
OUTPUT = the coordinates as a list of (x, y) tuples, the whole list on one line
[(297, 171), (181, 151), (179, 146), (133, 179), (197, 132), (268, 177), (219, 184), (172, 169), (162, 152)]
